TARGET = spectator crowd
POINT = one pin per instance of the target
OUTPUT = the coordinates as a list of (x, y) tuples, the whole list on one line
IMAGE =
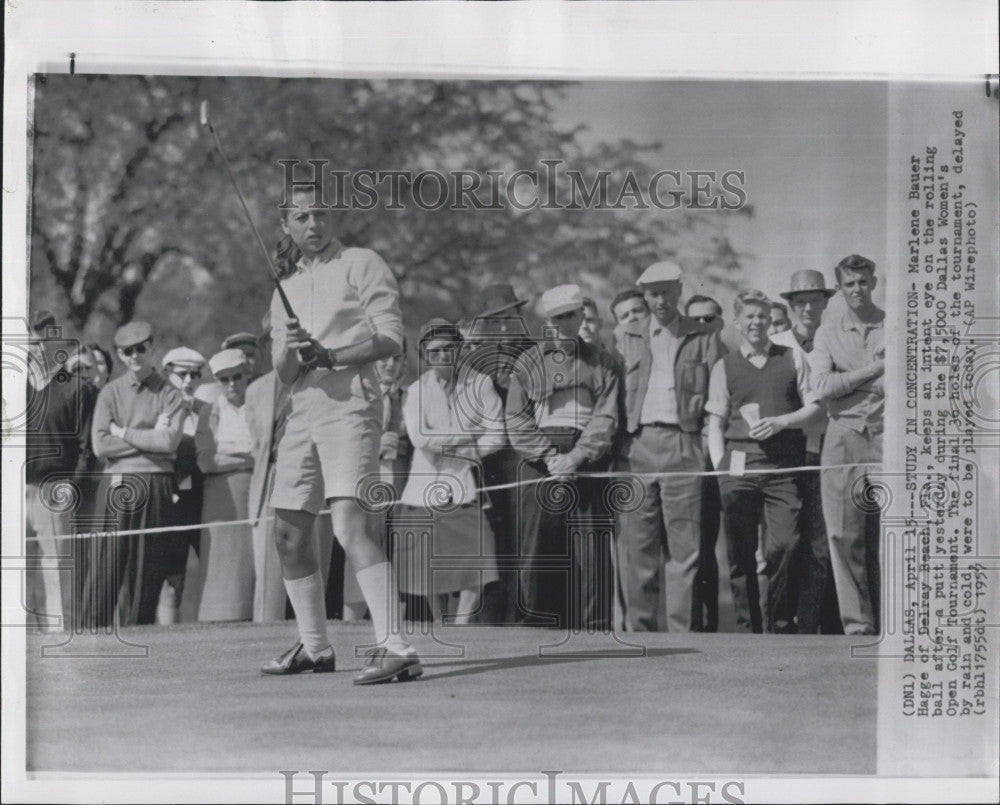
[(579, 477)]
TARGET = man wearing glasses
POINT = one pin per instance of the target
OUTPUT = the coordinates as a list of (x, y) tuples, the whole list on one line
[(705, 614), (138, 424), (184, 367), (706, 310)]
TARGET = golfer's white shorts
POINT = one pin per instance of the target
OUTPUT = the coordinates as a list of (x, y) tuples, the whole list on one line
[(331, 438)]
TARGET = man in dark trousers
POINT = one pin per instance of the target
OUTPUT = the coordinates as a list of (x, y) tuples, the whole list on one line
[(666, 361), (59, 406), (759, 401), (705, 615), (562, 416), (138, 425), (183, 367), (493, 341)]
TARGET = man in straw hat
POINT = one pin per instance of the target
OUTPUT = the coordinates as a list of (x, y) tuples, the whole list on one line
[(848, 361), (816, 610)]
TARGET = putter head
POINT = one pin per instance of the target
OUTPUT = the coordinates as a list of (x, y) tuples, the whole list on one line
[(204, 113)]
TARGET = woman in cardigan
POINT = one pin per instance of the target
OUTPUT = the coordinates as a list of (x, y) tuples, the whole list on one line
[(453, 418), (224, 456)]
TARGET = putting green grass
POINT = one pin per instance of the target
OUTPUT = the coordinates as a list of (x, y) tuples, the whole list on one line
[(695, 703)]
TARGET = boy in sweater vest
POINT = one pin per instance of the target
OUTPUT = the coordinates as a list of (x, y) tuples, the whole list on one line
[(759, 400)]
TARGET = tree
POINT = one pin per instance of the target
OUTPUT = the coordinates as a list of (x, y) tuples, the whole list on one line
[(132, 213)]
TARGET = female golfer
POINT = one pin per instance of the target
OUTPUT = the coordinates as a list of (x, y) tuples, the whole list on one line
[(347, 304)]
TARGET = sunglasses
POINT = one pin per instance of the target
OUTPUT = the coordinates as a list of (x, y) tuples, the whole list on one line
[(138, 349), (706, 319), (194, 374), (227, 379)]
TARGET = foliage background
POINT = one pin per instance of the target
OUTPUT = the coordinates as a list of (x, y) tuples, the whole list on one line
[(133, 217)]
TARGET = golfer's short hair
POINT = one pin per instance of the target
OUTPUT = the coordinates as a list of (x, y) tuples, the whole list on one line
[(853, 262), (699, 299), (590, 303), (624, 296), (751, 297)]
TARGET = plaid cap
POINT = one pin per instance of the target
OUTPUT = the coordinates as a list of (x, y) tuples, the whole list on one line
[(183, 358)]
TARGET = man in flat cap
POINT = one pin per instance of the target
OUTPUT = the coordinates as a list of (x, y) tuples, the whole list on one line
[(848, 363), (138, 424), (58, 451), (493, 340), (184, 368), (666, 363), (562, 417), (249, 345), (816, 609)]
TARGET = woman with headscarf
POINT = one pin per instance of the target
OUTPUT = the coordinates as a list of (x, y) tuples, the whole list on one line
[(453, 418)]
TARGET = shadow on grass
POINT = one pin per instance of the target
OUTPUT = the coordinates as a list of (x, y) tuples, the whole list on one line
[(470, 667)]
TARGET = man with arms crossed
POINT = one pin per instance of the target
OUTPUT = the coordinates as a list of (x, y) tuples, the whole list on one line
[(848, 363), (347, 302)]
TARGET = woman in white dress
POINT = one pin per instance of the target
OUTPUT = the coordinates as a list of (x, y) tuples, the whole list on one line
[(453, 417)]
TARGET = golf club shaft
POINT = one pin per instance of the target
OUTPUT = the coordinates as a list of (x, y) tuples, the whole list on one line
[(232, 179)]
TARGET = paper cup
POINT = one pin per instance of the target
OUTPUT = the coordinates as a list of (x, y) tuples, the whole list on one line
[(751, 413)]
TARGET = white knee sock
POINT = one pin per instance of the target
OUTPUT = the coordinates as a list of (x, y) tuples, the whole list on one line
[(379, 589), (309, 602)]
